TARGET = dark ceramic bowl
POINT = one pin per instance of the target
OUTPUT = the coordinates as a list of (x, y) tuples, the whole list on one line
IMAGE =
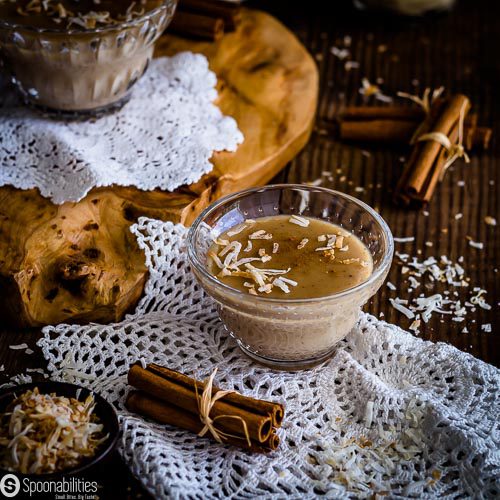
[(103, 410)]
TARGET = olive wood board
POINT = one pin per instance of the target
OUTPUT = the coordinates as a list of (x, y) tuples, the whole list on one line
[(78, 262)]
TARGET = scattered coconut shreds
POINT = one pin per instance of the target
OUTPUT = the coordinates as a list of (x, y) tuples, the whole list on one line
[(351, 65), (486, 327), (340, 53), (276, 247), (288, 280), (252, 291), (36, 370), (322, 237), (247, 284), (215, 258), (458, 216), (415, 325), (390, 286), (250, 221), (220, 242), (237, 229), (398, 305), (356, 462), (261, 234), (249, 246), (316, 182), (369, 89), (369, 413), (302, 244), (476, 244), (19, 347), (281, 284), (241, 262), (266, 288), (408, 239), (299, 221), (437, 271), (491, 221), (478, 298)]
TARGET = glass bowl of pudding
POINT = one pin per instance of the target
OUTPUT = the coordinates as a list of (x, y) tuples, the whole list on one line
[(289, 267), (79, 56)]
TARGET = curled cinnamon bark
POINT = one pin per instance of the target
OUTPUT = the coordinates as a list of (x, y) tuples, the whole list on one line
[(240, 420), (197, 26), (165, 413)]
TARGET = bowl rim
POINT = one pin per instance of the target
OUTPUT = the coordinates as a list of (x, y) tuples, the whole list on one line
[(103, 29), (200, 267), (47, 386)]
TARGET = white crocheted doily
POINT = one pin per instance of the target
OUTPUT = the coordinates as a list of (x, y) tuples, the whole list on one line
[(162, 138), (388, 414)]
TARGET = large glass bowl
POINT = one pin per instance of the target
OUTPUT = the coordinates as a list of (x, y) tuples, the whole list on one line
[(88, 71), (290, 333)]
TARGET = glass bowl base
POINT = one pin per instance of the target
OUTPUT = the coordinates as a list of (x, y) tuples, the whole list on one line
[(77, 115), (289, 364)]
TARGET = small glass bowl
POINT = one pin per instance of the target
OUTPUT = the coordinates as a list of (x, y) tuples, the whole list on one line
[(81, 71), (290, 334)]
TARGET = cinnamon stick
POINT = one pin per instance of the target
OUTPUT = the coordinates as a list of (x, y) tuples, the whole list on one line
[(365, 113), (428, 151), (378, 130), (229, 12), (197, 26), (395, 131), (437, 172), (165, 413), (397, 124), (401, 194), (275, 410), (177, 391)]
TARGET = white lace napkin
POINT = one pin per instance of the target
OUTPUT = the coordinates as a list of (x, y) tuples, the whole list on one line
[(162, 138), (388, 414)]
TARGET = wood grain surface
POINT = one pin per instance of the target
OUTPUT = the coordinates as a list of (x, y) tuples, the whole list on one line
[(78, 262), (457, 50)]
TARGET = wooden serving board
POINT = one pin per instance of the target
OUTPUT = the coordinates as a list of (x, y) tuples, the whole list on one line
[(78, 262)]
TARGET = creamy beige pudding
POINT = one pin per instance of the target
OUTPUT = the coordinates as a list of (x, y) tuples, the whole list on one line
[(302, 264), (288, 286), (79, 55), (75, 14), (289, 257)]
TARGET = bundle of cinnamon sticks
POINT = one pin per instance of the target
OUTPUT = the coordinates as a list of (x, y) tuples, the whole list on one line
[(172, 398), (205, 19), (429, 158), (397, 125)]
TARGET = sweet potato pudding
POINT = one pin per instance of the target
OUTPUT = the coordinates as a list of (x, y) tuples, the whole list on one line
[(79, 55), (289, 257), (74, 14)]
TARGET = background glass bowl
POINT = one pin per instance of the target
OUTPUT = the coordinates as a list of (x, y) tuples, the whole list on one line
[(87, 71), (286, 333)]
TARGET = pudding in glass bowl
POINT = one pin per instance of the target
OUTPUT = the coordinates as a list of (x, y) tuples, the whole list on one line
[(79, 55), (289, 267)]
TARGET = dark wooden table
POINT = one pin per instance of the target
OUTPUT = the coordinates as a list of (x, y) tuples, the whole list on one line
[(457, 50)]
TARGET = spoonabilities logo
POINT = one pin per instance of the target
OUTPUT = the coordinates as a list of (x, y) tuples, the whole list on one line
[(9, 485)]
